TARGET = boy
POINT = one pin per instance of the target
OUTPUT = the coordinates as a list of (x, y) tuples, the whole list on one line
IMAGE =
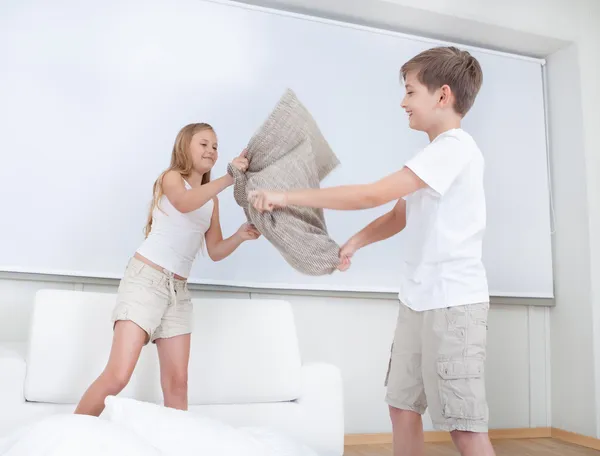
[(438, 354)]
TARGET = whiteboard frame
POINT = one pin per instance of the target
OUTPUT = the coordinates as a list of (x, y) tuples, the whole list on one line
[(80, 282), (233, 284), (380, 31), (323, 287)]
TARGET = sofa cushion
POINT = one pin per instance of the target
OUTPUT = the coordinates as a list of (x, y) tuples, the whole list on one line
[(243, 351)]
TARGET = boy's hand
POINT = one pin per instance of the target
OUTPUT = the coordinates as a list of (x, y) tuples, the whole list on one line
[(241, 162), (267, 201), (248, 232), (346, 253)]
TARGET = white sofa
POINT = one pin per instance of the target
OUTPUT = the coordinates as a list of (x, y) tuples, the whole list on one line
[(245, 367)]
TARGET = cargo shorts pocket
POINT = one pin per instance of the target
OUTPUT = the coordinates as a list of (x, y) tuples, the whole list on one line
[(462, 389)]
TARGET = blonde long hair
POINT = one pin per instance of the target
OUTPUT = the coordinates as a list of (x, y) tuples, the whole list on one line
[(181, 161)]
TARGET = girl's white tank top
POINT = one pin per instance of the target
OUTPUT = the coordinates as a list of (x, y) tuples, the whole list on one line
[(176, 238)]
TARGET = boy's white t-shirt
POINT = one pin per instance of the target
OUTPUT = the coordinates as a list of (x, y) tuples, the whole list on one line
[(442, 265)]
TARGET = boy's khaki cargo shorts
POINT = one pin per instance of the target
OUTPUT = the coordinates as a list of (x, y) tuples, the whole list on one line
[(437, 362)]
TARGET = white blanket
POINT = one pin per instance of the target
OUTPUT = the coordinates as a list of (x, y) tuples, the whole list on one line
[(133, 428), (178, 433), (75, 435)]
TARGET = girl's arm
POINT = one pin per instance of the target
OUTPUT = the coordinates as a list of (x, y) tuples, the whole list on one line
[(219, 248), (185, 200), (345, 197)]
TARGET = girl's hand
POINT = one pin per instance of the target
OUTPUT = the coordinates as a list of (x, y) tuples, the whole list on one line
[(267, 201), (241, 162), (248, 232)]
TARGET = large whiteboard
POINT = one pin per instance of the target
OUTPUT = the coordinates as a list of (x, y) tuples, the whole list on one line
[(93, 94)]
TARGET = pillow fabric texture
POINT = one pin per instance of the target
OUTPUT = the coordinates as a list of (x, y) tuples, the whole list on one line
[(289, 152)]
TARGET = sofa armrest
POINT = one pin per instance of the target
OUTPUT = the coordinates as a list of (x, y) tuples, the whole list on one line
[(12, 373), (323, 399)]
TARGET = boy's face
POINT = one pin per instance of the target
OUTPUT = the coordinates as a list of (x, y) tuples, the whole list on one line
[(421, 105)]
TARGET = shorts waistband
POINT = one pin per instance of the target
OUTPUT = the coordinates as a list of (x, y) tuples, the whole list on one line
[(159, 276)]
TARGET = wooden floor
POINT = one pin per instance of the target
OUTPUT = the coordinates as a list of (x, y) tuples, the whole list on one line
[(522, 447)]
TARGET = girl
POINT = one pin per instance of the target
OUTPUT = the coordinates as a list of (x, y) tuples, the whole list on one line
[(153, 301)]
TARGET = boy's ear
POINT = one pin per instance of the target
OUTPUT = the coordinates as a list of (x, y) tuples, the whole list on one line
[(445, 94)]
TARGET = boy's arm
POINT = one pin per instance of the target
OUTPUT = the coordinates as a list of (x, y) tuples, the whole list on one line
[(436, 166), (384, 227), (345, 197)]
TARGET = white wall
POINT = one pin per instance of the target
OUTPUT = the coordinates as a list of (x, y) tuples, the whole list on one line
[(355, 334), (572, 329)]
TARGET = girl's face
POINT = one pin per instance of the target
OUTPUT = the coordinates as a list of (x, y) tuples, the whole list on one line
[(204, 150)]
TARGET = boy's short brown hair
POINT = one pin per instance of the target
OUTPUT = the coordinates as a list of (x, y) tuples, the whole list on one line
[(448, 66)]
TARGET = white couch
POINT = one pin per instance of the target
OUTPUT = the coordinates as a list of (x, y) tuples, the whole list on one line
[(245, 367)]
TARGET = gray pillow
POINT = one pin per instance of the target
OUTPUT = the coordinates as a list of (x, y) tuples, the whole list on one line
[(289, 152)]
